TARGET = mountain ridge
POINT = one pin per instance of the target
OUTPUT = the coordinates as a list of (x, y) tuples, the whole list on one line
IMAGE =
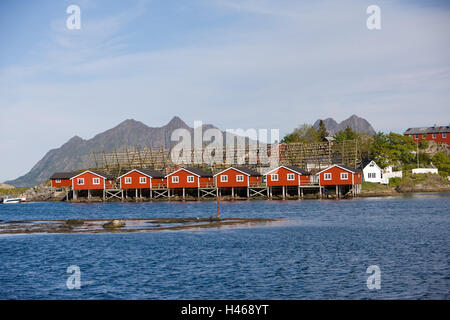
[(74, 153), (358, 124)]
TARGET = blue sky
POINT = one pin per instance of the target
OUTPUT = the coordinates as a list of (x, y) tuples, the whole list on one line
[(235, 64)]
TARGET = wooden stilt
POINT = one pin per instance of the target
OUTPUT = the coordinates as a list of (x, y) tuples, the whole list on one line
[(232, 192), (184, 194), (283, 190)]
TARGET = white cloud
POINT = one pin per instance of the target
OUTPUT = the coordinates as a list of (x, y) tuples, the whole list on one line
[(302, 63)]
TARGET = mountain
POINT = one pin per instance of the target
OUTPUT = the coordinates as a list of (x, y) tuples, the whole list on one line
[(74, 154), (355, 123)]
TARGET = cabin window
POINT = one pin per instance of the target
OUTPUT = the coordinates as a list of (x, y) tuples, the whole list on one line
[(444, 135), (327, 176), (239, 178), (80, 181), (142, 180), (291, 176), (344, 176), (127, 180), (434, 135), (372, 175), (95, 180), (274, 177), (58, 181), (224, 178), (175, 179), (190, 179), (416, 136)]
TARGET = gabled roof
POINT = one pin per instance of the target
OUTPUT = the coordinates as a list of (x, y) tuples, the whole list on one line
[(424, 130), (346, 168), (97, 173), (63, 175), (195, 171), (366, 162), (295, 169), (245, 170), (146, 172)]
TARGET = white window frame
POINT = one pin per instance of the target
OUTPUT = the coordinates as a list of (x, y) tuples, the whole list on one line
[(80, 181), (224, 178), (58, 180), (128, 180), (175, 179), (96, 181), (416, 136), (327, 176), (444, 135), (142, 180), (342, 175), (292, 177), (240, 178), (274, 177), (190, 179), (434, 135)]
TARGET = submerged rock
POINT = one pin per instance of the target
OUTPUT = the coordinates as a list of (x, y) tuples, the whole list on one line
[(114, 224), (77, 222)]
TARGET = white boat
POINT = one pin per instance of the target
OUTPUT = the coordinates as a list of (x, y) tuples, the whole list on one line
[(7, 199)]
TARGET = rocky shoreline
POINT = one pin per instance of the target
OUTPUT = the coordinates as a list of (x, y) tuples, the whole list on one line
[(125, 225)]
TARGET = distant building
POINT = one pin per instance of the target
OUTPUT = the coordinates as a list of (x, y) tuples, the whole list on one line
[(437, 134), (62, 179), (371, 171)]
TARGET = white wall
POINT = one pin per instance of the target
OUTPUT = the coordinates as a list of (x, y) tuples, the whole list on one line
[(425, 170)]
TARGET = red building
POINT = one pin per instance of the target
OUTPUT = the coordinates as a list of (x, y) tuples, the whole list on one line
[(341, 178), (237, 177), (437, 134), (189, 178), (62, 179), (142, 179), (287, 176), (339, 175), (90, 180)]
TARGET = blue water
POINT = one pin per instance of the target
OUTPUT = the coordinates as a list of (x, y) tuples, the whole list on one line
[(321, 251)]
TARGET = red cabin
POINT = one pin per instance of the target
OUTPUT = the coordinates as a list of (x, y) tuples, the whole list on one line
[(287, 176), (237, 177), (62, 179), (338, 175), (189, 178), (142, 179), (90, 180), (437, 134)]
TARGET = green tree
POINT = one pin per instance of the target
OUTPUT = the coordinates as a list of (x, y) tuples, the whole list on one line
[(442, 162), (322, 131), (393, 148), (304, 133), (347, 134)]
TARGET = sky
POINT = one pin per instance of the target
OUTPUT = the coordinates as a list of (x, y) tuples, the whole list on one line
[(235, 64)]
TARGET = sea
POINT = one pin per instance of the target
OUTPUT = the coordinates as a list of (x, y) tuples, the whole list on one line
[(366, 248)]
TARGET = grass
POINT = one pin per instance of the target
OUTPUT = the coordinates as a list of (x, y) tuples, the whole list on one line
[(12, 192)]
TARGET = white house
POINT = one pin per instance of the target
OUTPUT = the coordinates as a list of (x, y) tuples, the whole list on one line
[(372, 172)]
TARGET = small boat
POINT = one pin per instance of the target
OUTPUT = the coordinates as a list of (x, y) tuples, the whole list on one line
[(7, 199)]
